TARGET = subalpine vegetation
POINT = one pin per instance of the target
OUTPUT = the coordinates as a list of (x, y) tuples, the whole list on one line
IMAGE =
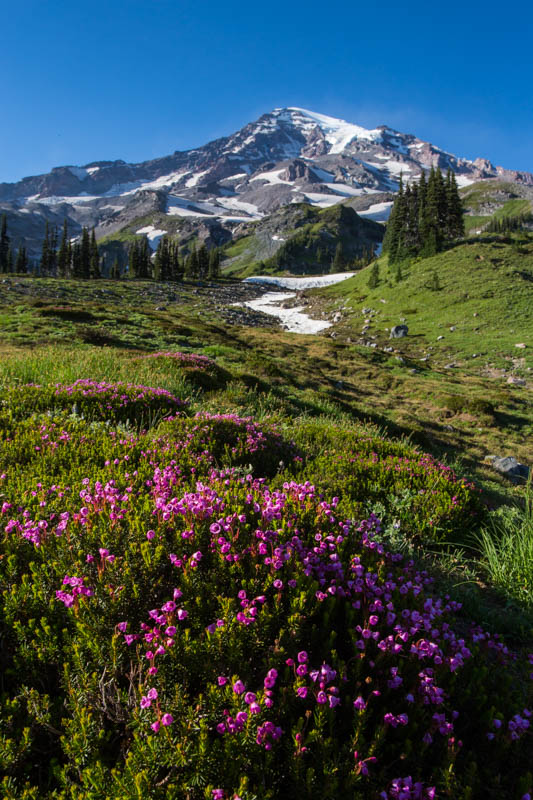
[(80, 257), (424, 218)]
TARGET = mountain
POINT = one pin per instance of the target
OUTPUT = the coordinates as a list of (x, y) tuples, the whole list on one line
[(287, 156)]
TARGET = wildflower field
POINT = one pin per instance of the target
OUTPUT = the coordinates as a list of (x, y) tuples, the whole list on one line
[(198, 604)]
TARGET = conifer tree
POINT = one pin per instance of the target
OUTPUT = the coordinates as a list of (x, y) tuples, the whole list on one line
[(85, 254), (339, 262), (373, 278), (21, 264), (115, 270), (214, 264), (94, 258), (4, 243), (9, 264), (63, 255), (44, 264), (203, 261)]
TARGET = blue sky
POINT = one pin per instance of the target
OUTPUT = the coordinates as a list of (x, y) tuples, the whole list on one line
[(136, 79)]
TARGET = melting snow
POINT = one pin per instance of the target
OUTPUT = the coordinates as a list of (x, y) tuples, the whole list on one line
[(379, 212), (153, 234), (195, 178), (294, 319)]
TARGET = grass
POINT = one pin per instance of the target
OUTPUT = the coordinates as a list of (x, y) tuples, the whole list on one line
[(506, 552)]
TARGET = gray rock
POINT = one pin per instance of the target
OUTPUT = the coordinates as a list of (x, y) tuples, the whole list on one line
[(511, 468), (439, 338), (516, 381), (399, 331)]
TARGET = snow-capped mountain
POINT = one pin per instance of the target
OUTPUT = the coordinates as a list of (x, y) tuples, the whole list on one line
[(289, 155)]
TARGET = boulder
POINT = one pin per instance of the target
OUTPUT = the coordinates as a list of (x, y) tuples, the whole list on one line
[(511, 468), (399, 331)]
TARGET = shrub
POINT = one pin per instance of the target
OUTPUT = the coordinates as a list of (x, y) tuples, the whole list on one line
[(424, 499), (199, 370), (233, 441), (116, 402)]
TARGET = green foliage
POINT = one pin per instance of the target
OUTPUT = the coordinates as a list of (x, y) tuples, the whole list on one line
[(424, 217), (139, 587)]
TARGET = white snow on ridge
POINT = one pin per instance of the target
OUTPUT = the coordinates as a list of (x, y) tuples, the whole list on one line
[(153, 234), (79, 172), (338, 132)]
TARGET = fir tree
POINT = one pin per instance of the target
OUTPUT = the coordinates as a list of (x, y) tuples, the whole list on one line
[(4, 243), (373, 278), (44, 264), (339, 262), (9, 260), (115, 270), (21, 264), (94, 258), (214, 264), (85, 254), (64, 253), (203, 261)]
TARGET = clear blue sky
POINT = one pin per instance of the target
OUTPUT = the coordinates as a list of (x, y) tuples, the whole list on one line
[(136, 79)]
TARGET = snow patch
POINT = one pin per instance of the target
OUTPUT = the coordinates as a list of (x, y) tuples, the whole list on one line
[(337, 132), (298, 284), (79, 172), (153, 235), (271, 177), (379, 212), (195, 178)]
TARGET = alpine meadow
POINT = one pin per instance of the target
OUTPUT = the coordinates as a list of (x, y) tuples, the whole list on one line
[(266, 430)]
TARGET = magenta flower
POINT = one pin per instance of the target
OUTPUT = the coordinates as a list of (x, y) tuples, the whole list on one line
[(167, 719), (239, 687), (222, 680)]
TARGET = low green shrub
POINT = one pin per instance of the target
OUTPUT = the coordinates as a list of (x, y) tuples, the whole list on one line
[(116, 402)]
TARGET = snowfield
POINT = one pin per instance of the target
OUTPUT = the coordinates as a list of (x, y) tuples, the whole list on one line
[(294, 319)]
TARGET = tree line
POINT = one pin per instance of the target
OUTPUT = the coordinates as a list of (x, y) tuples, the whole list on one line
[(81, 258), (424, 218)]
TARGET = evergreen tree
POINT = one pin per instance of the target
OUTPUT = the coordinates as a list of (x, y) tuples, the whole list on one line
[(398, 276), (9, 260), (94, 258), (64, 253), (373, 278), (203, 261), (214, 264), (52, 251), (455, 227), (115, 270), (21, 264), (44, 264), (4, 243), (339, 262), (176, 264), (85, 254)]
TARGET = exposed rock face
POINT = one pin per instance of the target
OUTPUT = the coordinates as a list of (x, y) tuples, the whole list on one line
[(288, 155)]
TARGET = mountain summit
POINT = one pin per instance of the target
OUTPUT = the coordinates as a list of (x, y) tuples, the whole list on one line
[(289, 155)]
